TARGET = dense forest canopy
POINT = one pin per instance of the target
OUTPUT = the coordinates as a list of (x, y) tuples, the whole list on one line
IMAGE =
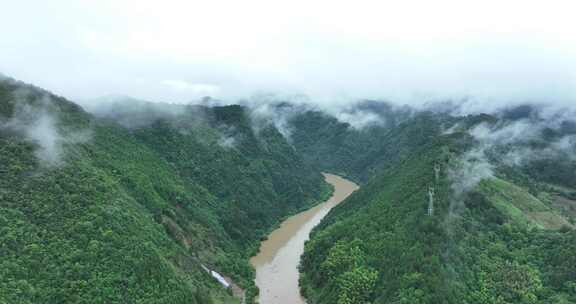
[(131, 201), (469, 209), (94, 210)]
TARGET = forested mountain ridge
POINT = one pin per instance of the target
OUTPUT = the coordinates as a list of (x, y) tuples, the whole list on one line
[(96, 211), (127, 203), (359, 153), (469, 213)]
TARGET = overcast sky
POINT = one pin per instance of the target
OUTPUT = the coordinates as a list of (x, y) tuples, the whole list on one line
[(330, 50)]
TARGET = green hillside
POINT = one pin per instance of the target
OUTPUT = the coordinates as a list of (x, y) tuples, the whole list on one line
[(504, 240), (521, 206), (92, 211), (132, 201), (380, 245), (335, 146)]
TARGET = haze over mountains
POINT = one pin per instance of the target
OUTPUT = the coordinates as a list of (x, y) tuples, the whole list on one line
[(130, 202), (148, 149)]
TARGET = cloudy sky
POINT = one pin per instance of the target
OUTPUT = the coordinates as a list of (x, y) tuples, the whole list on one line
[(333, 50)]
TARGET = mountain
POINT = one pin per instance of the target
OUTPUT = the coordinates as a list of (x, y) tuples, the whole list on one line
[(360, 153), (133, 201), (130, 205), (501, 228)]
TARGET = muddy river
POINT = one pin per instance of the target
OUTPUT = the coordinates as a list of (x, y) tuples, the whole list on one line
[(277, 263)]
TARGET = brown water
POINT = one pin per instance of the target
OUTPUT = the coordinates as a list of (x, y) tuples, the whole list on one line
[(277, 263)]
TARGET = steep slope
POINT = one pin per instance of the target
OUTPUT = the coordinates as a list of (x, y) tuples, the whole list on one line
[(497, 234), (94, 211), (380, 245), (338, 147)]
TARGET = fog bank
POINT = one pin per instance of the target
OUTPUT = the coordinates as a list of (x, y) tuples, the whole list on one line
[(334, 52)]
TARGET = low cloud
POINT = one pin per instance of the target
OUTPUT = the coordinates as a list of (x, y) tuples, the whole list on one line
[(39, 126), (525, 140), (228, 137), (517, 132), (359, 119), (186, 119), (268, 109), (534, 134), (134, 113), (227, 142), (471, 169)]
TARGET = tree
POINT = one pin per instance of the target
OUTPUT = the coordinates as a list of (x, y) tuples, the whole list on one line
[(356, 286)]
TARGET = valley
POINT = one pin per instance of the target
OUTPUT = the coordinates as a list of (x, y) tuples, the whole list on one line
[(143, 202), (287, 152), (278, 259)]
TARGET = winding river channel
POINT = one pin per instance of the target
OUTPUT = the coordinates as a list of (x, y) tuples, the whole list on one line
[(277, 262)]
